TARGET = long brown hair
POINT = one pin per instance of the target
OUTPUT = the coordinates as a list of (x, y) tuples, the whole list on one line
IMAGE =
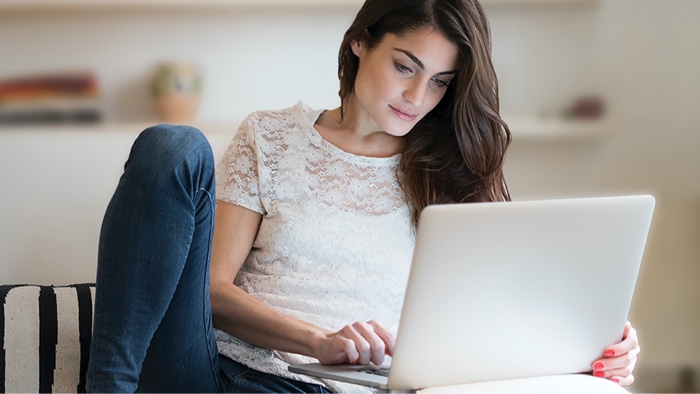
[(456, 152)]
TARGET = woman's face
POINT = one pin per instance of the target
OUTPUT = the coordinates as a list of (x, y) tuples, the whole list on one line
[(403, 78)]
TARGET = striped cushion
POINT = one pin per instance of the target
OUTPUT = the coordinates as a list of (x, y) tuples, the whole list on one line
[(46, 337)]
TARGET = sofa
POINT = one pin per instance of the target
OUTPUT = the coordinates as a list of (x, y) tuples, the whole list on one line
[(56, 183)]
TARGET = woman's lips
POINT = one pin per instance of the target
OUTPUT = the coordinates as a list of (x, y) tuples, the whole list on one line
[(407, 116)]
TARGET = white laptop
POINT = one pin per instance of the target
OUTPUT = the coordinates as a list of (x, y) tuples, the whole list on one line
[(512, 290)]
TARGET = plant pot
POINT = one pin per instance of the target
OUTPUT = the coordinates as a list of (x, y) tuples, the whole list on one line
[(176, 89)]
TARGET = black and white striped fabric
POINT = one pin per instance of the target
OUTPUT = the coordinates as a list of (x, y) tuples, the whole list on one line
[(46, 337)]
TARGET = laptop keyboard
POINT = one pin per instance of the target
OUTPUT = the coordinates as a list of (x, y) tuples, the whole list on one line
[(380, 371)]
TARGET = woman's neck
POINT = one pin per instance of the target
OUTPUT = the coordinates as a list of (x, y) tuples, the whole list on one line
[(356, 132)]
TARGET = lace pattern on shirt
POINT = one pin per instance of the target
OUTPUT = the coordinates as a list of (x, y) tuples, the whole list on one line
[(336, 239)]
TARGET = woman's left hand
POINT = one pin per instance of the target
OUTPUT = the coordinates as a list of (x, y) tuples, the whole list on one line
[(619, 360)]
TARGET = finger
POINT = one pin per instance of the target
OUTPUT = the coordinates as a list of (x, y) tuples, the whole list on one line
[(623, 361), (357, 348), (386, 336), (623, 380), (376, 347), (626, 330), (349, 348), (619, 372), (628, 343), (622, 369)]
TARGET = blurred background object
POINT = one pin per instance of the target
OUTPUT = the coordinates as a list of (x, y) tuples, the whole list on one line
[(629, 68), (586, 107), (177, 91), (68, 97)]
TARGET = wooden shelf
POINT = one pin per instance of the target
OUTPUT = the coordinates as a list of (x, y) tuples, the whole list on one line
[(521, 128), (209, 128), (557, 129)]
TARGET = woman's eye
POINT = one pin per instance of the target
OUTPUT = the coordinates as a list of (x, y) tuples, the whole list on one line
[(440, 83), (402, 69)]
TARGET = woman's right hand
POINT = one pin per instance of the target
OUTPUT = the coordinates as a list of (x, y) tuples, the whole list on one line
[(357, 343)]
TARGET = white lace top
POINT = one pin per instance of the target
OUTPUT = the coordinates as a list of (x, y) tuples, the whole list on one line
[(336, 238)]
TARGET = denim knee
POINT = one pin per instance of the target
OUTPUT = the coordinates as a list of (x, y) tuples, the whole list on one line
[(160, 149), (171, 141)]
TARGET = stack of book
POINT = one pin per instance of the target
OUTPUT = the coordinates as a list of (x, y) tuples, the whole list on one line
[(50, 98)]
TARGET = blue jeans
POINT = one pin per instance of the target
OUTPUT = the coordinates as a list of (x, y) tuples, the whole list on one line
[(152, 326)]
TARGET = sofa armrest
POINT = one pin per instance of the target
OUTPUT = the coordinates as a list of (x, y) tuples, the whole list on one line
[(46, 338)]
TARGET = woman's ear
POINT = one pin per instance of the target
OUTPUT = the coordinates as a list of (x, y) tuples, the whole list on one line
[(356, 47)]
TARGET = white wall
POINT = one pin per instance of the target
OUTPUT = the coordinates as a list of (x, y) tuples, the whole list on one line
[(253, 59), (642, 56)]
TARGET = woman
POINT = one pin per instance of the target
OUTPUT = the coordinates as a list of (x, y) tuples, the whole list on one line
[(315, 217)]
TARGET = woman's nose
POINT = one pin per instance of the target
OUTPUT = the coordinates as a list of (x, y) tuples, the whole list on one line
[(415, 92)]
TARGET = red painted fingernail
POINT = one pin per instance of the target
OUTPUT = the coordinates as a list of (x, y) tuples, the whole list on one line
[(599, 374), (598, 366), (609, 353), (616, 380)]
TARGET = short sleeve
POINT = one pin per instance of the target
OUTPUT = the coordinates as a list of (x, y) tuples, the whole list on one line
[(237, 175)]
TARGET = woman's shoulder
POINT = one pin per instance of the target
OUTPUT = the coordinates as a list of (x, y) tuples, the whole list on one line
[(269, 130), (298, 114), (291, 126)]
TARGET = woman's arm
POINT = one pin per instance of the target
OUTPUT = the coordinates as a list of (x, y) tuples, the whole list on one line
[(248, 319)]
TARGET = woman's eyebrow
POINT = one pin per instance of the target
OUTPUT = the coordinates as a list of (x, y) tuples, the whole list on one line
[(419, 63)]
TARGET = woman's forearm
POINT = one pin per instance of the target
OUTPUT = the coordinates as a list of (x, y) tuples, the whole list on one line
[(246, 318)]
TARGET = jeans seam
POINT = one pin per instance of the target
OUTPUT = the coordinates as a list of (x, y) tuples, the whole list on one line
[(207, 279)]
